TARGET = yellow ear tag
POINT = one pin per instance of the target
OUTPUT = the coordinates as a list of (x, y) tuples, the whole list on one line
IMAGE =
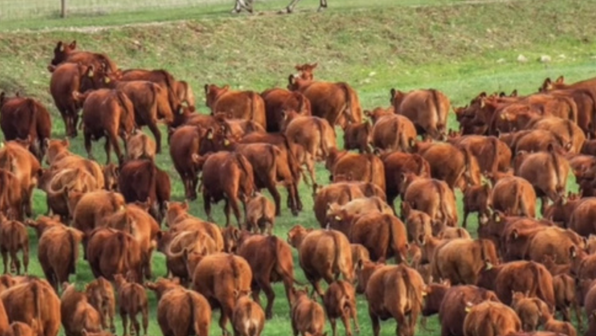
[(489, 266), (107, 80), (210, 136), (90, 73), (226, 142), (62, 47), (337, 218), (468, 309)]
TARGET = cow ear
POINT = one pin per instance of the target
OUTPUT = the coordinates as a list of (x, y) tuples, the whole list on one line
[(572, 251), (560, 80), (73, 44), (393, 91), (225, 87)]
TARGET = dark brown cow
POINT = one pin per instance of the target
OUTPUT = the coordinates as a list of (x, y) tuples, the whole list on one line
[(462, 260), (453, 307), (331, 244), (66, 79), (427, 109), (106, 113), (340, 302), (227, 176), (111, 252), (308, 317), (25, 119), (334, 102), (33, 299), (270, 260), (530, 310), (160, 77), (64, 52), (220, 277), (458, 168), (477, 199), (384, 235), (180, 312), (248, 318), (101, 296), (432, 197), (396, 164), (393, 132), (280, 101), (483, 148), (395, 292), (12, 198), (143, 181), (241, 104), (358, 136)]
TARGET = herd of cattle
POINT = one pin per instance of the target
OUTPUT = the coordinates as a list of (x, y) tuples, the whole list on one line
[(509, 150)]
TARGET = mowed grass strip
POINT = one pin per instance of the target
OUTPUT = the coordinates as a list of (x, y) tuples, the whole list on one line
[(460, 50)]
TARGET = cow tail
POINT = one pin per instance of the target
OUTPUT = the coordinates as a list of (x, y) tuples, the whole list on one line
[(272, 151), (242, 162), (253, 105), (409, 287), (495, 147), (322, 142), (442, 203), (36, 290), (570, 132), (468, 165), (556, 166), (292, 161), (154, 90), (171, 94), (33, 119), (537, 277), (520, 200), (235, 272), (337, 260), (130, 113), (348, 108), (437, 102), (191, 307), (73, 253), (392, 239)]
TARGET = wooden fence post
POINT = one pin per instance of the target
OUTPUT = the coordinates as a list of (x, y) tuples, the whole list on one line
[(63, 8)]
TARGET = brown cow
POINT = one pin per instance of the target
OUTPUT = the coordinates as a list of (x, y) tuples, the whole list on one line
[(563, 245), (108, 113), (339, 301), (514, 196), (160, 77), (427, 109), (393, 132), (66, 79), (180, 312), (178, 219), (569, 133), (177, 245), (150, 103), (111, 252), (462, 260), (76, 312), (453, 233), (280, 101), (395, 164), (547, 172), (564, 328), (33, 299), (140, 146), (100, 295), (457, 167), (25, 119), (227, 176), (132, 300), (242, 104), (270, 260), (59, 157), (581, 217), (358, 136), (432, 197), (452, 311), (358, 167), (22, 329), (91, 209), (494, 316), (260, 215), (334, 102), (64, 52), (334, 249), (11, 195), (418, 223), (220, 277), (483, 148), (530, 310), (135, 220), (4, 327), (13, 238), (248, 318), (384, 235), (565, 296), (144, 181), (341, 193), (395, 292), (236, 129), (477, 199), (342, 217), (520, 276), (359, 253), (308, 317)]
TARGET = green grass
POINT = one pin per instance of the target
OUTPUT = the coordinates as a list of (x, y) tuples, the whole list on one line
[(461, 50)]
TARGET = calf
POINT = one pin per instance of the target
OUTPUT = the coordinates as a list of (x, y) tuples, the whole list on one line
[(358, 136), (76, 312), (260, 215), (132, 300), (531, 311), (111, 252), (427, 109), (308, 317), (476, 199), (140, 146), (100, 295), (243, 104), (340, 302), (13, 238), (248, 318), (490, 315)]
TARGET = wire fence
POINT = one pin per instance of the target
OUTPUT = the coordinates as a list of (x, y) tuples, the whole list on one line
[(31, 9)]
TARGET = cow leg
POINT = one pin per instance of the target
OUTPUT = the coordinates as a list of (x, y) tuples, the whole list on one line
[(26, 258), (323, 5), (544, 201), (111, 312), (226, 312), (578, 314), (114, 140), (5, 260), (15, 264), (87, 137), (276, 197), (145, 313), (156, 134), (333, 323), (345, 319), (354, 315), (291, 6), (124, 317), (107, 149), (234, 204), (227, 210), (266, 286), (256, 291), (374, 320), (207, 205), (466, 214), (135, 323), (75, 121)]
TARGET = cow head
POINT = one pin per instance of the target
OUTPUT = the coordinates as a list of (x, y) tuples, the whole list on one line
[(213, 93), (306, 70), (62, 51), (296, 235), (111, 172), (295, 83), (435, 292), (364, 270), (55, 149), (175, 211), (162, 285)]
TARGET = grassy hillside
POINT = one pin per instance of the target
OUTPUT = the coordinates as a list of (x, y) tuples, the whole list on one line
[(459, 48)]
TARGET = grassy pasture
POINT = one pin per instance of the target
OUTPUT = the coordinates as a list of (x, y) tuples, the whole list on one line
[(460, 48)]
